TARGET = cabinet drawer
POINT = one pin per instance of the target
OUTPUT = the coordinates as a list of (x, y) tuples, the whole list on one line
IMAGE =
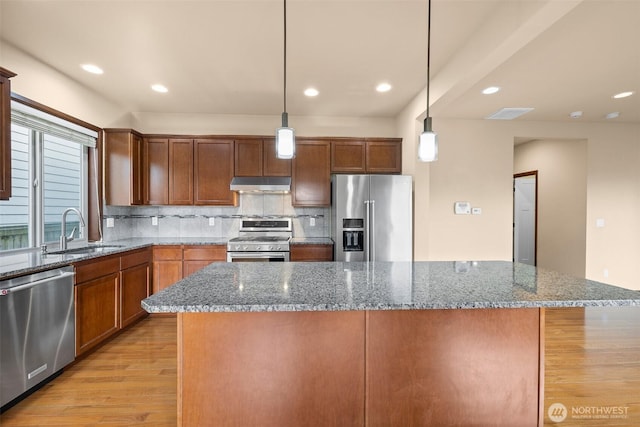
[(137, 257), (206, 253), (92, 269), (167, 253)]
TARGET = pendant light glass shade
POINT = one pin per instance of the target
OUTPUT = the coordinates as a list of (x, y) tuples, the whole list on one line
[(428, 147), (285, 140), (428, 143)]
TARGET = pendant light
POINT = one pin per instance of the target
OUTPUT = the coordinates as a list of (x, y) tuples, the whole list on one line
[(428, 142), (285, 136)]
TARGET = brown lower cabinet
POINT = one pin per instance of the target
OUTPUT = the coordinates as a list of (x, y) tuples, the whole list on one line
[(174, 262), (108, 292), (135, 285), (97, 300), (311, 253), (361, 368)]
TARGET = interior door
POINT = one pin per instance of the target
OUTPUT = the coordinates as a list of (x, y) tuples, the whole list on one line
[(524, 217)]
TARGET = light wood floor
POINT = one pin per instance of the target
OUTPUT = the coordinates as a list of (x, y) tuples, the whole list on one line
[(592, 361)]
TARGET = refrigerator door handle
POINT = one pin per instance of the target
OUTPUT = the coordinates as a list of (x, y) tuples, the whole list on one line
[(367, 233), (372, 231)]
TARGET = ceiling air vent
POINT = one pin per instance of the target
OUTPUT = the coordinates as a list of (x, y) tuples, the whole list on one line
[(508, 113)]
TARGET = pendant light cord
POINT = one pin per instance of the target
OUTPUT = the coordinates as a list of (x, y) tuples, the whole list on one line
[(285, 57), (428, 56)]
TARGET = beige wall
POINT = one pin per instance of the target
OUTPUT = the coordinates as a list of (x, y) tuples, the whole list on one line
[(476, 165), (45, 85), (562, 201), (201, 124)]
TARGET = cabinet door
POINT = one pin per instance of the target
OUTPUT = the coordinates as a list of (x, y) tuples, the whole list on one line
[(311, 253), (5, 133), (384, 156), (123, 164), (214, 160), (180, 171), (134, 287), (248, 157), (97, 313), (136, 169), (167, 266), (311, 177), (348, 156), (156, 171), (273, 166), (198, 257)]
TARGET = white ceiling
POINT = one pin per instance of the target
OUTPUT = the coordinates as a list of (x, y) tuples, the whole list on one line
[(226, 57)]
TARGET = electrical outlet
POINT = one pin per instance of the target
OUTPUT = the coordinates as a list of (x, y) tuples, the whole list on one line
[(212, 221), (605, 272), (312, 222), (154, 220), (110, 222)]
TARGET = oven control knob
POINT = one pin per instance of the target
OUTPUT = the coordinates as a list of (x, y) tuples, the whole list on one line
[(258, 248), (244, 248), (277, 248)]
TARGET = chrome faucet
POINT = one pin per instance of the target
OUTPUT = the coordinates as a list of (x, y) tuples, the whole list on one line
[(64, 239)]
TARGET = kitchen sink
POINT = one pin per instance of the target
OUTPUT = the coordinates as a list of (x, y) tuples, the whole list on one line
[(89, 249)]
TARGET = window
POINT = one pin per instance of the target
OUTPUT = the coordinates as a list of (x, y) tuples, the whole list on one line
[(49, 169)]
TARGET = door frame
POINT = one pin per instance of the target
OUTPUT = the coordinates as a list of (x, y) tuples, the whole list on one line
[(533, 173)]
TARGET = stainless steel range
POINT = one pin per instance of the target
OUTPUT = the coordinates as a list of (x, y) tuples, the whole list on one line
[(261, 240)]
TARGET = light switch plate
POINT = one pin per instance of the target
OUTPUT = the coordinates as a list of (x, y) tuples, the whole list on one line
[(154, 220), (110, 222), (212, 221), (476, 211), (462, 208), (312, 222)]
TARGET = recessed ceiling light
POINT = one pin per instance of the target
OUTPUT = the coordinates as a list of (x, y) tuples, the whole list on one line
[(612, 115), (383, 87), (93, 69), (623, 94), (575, 114), (311, 91), (160, 88), (491, 90)]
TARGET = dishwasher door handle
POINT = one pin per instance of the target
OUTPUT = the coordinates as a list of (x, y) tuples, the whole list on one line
[(7, 291)]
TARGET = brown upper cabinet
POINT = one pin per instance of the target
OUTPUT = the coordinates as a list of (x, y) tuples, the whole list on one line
[(214, 158), (156, 171), (311, 174), (123, 167), (257, 157), (181, 171), (368, 155), (5, 133)]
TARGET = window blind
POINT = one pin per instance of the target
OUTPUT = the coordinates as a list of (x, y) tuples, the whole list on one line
[(26, 116)]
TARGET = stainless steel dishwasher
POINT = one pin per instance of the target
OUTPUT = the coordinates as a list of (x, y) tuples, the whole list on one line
[(37, 329)]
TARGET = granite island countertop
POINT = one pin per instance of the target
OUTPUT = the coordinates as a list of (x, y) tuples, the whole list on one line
[(338, 286)]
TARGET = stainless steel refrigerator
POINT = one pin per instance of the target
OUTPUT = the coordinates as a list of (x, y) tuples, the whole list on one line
[(372, 217)]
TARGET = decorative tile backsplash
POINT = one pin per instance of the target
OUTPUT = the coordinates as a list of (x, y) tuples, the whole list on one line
[(211, 221)]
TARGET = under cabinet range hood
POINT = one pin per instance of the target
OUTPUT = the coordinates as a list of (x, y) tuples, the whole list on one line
[(261, 184)]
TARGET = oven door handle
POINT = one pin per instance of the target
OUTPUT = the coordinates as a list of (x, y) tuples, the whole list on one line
[(261, 255)]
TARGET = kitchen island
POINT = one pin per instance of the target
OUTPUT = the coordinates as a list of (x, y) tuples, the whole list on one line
[(424, 343)]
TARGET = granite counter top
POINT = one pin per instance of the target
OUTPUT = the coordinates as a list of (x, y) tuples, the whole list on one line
[(335, 286), (34, 261), (311, 241)]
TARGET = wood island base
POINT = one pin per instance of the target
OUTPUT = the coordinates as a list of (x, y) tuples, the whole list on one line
[(357, 368)]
